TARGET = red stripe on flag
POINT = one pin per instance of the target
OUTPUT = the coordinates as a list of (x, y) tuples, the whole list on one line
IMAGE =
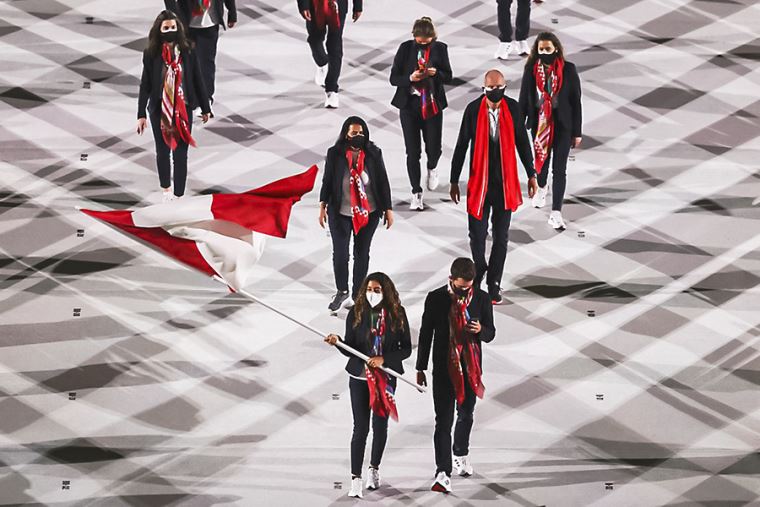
[(183, 250), (265, 209)]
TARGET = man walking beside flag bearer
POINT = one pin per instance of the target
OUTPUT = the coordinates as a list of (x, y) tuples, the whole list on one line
[(378, 327), (457, 320)]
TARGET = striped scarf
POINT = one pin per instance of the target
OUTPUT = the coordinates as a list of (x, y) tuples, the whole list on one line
[(425, 87), (463, 347), (200, 7), (174, 120), (381, 392), (359, 200), (545, 131)]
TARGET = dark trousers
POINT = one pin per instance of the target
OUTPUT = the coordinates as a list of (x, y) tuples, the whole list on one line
[(206, 40), (558, 154), (162, 156), (412, 125), (444, 401), (522, 22), (361, 411), (500, 219), (333, 55), (341, 230)]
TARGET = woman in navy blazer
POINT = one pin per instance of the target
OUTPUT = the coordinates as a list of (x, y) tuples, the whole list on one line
[(550, 100), (167, 37), (420, 69), (377, 327)]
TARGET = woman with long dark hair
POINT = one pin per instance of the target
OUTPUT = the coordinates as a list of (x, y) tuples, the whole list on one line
[(171, 86), (420, 69), (550, 99), (355, 195), (378, 328)]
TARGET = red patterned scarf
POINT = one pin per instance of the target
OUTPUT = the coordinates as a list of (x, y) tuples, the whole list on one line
[(463, 347), (359, 201), (477, 186), (381, 393), (425, 87), (174, 121), (326, 14), (200, 7), (545, 131)]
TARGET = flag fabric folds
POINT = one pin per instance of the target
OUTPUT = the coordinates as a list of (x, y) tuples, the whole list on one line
[(218, 234)]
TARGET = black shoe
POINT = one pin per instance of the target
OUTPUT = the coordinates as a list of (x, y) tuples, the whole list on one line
[(337, 301), (495, 292)]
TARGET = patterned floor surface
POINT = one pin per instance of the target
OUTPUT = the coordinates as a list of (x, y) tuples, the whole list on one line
[(626, 366)]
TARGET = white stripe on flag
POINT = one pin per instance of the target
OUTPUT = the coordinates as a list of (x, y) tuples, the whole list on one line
[(181, 211), (231, 250)]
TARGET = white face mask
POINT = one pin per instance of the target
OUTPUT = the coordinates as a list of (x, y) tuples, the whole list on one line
[(374, 299)]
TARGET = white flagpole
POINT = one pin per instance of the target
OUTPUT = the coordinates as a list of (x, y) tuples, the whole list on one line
[(340, 344)]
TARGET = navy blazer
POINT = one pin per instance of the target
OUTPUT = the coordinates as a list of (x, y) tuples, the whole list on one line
[(567, 104), (184, 10), (397, 345), (152, 80), (405, 63), (434, 331), (336, 166), (467, 138)]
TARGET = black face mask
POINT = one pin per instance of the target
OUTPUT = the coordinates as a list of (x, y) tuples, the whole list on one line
[(170, 37), (547, 59), (495, 95), (357, 141), (459, 291)]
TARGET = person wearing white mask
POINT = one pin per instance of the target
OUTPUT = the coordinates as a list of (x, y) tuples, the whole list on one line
[(378, 327)]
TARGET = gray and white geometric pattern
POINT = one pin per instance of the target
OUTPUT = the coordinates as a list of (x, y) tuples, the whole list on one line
[(626, 365)]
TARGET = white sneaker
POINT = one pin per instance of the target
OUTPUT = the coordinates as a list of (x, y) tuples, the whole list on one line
[(432, 179), (539, 199), (462, 466), (373, 478), (415, 204), (320, 76), (167, 196), (504, 50), (523, 47), (442, 483), (356, 488), (349, 303), (555, 220), (331, 100)]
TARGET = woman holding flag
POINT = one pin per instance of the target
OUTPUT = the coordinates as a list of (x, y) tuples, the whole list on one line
[(355, 195), (171, 86), (420, 69), (377, 327), (550, 100)]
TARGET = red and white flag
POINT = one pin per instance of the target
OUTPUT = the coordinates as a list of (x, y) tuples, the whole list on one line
[(219, 234)]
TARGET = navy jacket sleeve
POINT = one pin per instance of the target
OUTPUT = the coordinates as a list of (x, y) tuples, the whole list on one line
[(350, 337), (384, 184), (145, 86), (444, 69), (522, 142), (460, 150), (526, 86), (426, 335), (398, 76), (327, 178), (303, 5), (200, 85), (488, 330), (231, 11), (358, 5), (575, 102), (405, 336)]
